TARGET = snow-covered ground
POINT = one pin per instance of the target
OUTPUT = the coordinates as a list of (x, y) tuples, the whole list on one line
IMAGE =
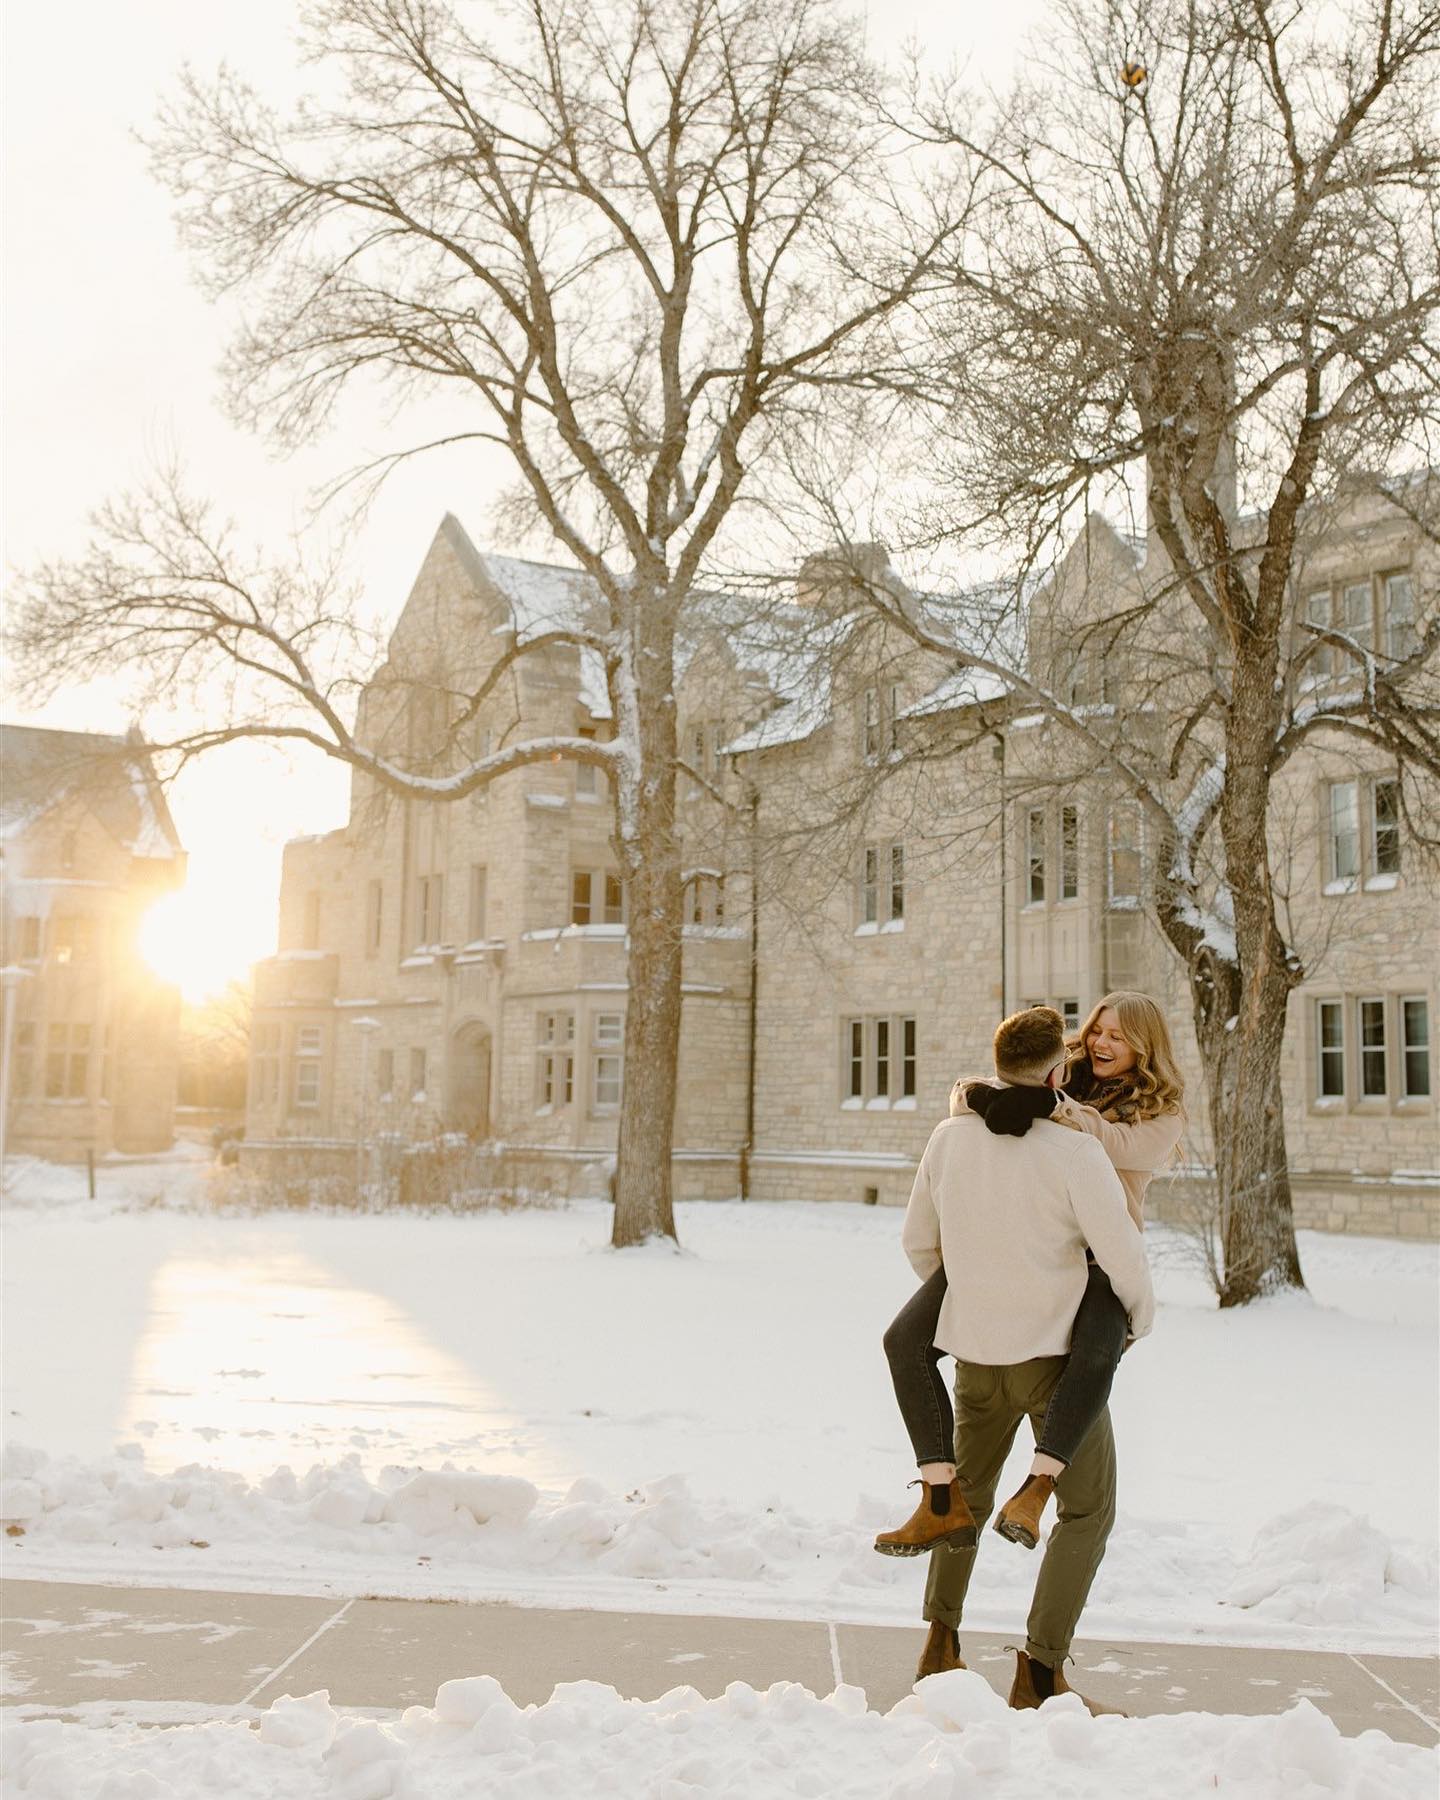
[(498, 1404), (954, 1739)]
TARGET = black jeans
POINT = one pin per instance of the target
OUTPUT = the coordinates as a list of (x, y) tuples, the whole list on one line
[(1096, 1340)]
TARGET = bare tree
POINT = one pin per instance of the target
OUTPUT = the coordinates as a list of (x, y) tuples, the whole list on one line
[(641, 239), (1203, 265)]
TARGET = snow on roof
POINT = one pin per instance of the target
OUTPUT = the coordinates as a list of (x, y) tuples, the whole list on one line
[(110, 775)]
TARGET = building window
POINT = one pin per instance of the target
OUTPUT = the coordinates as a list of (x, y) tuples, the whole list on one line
[(419, 1072), (1371, 1016), (1070, 1014), (430, 909), (704, 898), (1330, 1049), (374, 916), (897, 881), (30, 938), (265, 1063), (1321, 660), (555, 1072), (1385, 827), (67, 1062), (1344, 833), (880, 721), (1357, 615), (607, 1061), (1124, 854), (587, 776), (596, 897), (1069, 852), (1035, 856), (385, 1074), (880, 897), (1415, 1047), (72, 938), (477, 902), (1399, 617), (24, 1059), (879, 1059), (306, 1089)]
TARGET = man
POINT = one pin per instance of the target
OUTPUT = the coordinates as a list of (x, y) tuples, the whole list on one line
[(1010, 1201)]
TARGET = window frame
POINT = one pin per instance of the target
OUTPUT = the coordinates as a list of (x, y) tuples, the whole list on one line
[(1069, 852), (1329, 1005), (879, 1061), (374, 916), (1406, 1047), (607, 1047), (1124, 899), (1372, 1056), (307, 1055), (555, 1060), (1036, 858)]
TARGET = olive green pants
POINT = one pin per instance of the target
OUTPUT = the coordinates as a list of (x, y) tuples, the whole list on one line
[(990, 1402)]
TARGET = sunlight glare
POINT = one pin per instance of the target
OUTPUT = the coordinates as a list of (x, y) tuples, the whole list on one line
[(205, 936)]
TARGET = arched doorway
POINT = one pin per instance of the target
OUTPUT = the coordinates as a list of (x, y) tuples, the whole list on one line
[(468, 1100)]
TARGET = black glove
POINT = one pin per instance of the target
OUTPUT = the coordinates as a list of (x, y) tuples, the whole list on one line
[(1011, 1111)]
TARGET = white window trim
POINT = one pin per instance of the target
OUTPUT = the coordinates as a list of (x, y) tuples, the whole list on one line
[(871, 1099)]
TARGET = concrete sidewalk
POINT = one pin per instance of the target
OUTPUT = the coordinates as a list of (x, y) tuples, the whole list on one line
[(173, 1650)]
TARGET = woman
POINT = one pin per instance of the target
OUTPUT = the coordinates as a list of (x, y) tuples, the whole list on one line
[(1122, 1087)]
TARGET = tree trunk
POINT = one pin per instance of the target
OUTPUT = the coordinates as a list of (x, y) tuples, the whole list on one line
[(1247, 1110), (650, 857)]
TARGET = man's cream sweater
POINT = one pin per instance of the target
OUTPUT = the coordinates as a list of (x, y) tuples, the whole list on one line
[(1011, 1219)]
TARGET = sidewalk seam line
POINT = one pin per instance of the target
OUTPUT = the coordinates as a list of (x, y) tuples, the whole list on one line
[(1382, 1682), (835, 1656), (295, 1655)]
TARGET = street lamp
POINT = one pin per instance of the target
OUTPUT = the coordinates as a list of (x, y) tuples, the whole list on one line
[(367, 1027)]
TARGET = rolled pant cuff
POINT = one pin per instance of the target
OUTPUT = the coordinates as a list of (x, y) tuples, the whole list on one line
[(1048, 1654), (933, 1615)]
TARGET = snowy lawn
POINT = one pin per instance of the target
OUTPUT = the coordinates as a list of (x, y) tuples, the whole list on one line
[(954, 1739), (499, 1405)]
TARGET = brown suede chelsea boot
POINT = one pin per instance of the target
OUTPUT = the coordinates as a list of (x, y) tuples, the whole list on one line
[(942, 1517)]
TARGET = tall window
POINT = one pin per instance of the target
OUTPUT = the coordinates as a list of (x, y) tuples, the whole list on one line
[(897, 881), (1344, 813), (385, 1074), (477, 902), (587, 776), (607, 1061), (1321, 660), (430, 909), (1385, 827), (1124, 853), (24, 1059), (374, 916), (879, 1058), (1069, 852), (1035, 856), (1070, 1013), (419, 1072), (1330, 1048), (596, 897), (67, 1061), (305, 1091), (1398, 607), (1414, 1047), (880, 896), (871, 726), (1357, 615), (705, 899), (555, 1070), (1371, 1013), (265, 1062)]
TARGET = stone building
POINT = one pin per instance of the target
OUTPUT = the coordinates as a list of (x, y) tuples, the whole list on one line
[(461, 967), (89, 846)]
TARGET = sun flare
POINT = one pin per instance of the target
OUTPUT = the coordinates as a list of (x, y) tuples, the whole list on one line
[(205, 937)]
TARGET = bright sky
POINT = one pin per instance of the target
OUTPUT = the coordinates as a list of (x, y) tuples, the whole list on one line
[(109, 362)]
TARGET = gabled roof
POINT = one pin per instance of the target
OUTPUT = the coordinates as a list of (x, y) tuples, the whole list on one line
[(112, 776)]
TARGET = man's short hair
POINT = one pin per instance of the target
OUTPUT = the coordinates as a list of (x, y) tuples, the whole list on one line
[(1029, 1044)]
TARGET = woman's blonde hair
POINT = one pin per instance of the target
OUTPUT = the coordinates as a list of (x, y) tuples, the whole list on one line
[(1153, 1086)]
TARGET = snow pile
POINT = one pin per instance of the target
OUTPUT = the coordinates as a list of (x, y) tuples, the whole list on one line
[(1322, 1565), (464, 1532), (953, 1739)]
